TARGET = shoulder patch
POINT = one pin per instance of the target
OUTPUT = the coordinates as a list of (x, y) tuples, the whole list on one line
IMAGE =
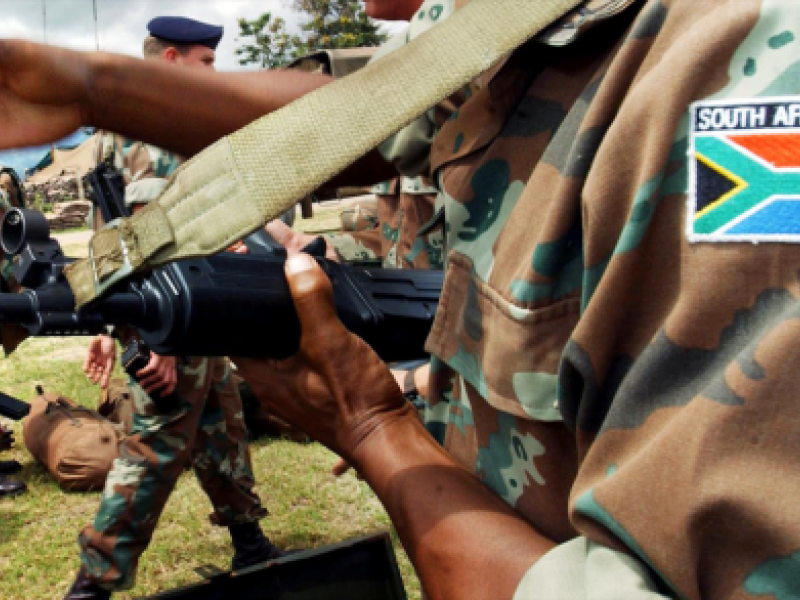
[(744, 175)]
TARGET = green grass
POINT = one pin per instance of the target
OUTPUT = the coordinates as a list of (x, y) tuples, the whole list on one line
[(38, 531)]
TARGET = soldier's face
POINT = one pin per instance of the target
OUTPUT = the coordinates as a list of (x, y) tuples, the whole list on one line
[(198, 56), (392, 10)]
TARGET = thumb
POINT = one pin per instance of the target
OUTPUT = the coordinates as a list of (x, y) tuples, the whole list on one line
[(313, 296)]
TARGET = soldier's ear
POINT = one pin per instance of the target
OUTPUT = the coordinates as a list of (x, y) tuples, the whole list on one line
[(170, 54)]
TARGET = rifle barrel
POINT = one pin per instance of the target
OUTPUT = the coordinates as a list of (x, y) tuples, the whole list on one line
[(16, 308)]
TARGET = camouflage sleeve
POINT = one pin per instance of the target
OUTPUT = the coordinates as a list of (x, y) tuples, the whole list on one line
[(584, 570), (409, 149), (143, 191), (144, 167)]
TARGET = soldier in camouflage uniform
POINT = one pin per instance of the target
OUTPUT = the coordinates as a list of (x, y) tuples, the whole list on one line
[(409, 233), (617, 327), (206, 430)]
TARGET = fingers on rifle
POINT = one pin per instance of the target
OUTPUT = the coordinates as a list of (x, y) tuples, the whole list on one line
[(172, 381), (330, 252), (312, 295), (153, 384), (150, 368), (279, 231)]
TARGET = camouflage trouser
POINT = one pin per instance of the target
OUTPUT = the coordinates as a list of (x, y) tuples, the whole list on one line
[(207, 429)]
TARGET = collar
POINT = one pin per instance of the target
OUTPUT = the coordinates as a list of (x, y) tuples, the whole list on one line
[(576, 23), (582, 19)]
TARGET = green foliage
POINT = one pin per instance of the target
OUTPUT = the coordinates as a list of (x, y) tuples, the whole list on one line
[(336, 24), (331, 24), (270, 46)]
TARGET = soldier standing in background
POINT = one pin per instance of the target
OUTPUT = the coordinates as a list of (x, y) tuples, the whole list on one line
[(206, 429), (410, 229)]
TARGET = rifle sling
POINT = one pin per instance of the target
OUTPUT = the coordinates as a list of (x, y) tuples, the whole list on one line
[(230, 189)]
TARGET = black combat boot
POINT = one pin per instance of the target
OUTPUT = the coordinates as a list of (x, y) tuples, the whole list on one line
[(86, 589), (11, 487), (8, 467), (251, 546)]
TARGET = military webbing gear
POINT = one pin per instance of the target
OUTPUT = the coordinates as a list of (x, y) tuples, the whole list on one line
[(229, 190)]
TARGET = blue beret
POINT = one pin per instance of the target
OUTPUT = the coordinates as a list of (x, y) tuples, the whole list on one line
[(185, 31)]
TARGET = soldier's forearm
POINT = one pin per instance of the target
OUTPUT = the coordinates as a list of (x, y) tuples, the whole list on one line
[(464, 541), (184, 110)]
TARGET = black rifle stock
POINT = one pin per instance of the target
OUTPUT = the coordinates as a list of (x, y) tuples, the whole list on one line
[(12, 408), (224, 305), (105, 188)]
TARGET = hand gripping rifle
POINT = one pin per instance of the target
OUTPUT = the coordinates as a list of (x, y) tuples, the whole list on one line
[(224, 305)]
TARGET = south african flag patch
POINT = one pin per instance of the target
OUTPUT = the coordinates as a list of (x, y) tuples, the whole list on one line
[(744, 161)]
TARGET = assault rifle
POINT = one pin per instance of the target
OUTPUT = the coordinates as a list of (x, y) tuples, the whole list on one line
[(223, 305)]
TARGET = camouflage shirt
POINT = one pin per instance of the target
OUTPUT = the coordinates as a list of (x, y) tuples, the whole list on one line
[(615, 341)]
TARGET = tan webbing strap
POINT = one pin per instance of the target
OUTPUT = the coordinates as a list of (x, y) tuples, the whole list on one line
[(247, 178)]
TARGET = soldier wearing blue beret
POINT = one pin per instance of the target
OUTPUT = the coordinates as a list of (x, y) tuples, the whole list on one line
[(182, 40)]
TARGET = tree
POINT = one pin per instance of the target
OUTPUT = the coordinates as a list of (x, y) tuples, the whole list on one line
[(270, 47), (337, 24), (331, 24)]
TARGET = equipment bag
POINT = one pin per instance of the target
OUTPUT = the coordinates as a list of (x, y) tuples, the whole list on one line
[(76, 444)]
